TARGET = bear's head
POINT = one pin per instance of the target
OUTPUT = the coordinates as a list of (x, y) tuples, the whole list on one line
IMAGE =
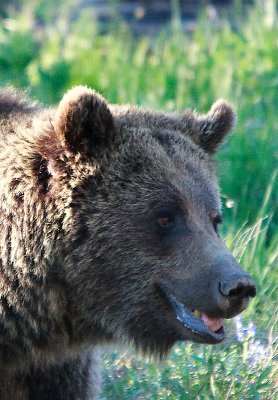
[(140, 253)]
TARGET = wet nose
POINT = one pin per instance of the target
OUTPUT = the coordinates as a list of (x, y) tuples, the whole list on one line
[(238, 287)]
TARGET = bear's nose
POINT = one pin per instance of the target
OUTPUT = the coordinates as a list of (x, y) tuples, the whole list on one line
[(238, 287)]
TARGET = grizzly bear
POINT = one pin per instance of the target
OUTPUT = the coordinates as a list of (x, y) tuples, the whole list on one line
[(109, 220)]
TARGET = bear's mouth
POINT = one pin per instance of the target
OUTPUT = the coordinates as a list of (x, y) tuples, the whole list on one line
[(208, 329)]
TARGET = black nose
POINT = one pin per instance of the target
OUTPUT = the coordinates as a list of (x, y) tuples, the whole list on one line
[(238, 287)]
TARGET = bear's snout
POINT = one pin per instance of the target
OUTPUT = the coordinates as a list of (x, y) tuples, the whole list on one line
[(234, 287), (234, 293), (238, 287)]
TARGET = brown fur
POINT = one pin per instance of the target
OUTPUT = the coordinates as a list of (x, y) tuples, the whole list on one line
[(83, 260)]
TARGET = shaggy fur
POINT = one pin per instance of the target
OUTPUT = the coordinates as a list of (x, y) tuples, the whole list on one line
[(104, 209)]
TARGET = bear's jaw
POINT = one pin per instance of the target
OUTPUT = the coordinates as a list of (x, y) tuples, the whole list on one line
[(206, 328)]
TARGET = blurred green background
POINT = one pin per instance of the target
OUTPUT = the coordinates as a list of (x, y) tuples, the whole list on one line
[(46, 47)]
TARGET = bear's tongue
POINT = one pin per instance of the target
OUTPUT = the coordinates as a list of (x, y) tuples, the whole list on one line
[(213, 324)]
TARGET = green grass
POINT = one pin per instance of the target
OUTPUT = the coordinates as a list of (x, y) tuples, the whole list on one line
[(193, 372), (44, 49)]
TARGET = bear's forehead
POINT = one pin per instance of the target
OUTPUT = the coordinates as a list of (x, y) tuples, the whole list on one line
[(153, 131), (164, 148), (166, 165)]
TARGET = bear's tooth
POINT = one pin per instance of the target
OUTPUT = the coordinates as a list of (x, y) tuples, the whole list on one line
[(197, 314)]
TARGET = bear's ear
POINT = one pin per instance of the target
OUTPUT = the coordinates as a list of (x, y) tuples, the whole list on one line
[(83, 121), (215, 125)]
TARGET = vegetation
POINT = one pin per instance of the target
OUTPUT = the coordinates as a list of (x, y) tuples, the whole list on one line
[(47, 51)]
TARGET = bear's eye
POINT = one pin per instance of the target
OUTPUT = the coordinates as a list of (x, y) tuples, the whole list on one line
[(165, 220), (169, 224)]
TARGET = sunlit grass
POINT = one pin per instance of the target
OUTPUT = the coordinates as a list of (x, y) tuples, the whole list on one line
[(194, 372)]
